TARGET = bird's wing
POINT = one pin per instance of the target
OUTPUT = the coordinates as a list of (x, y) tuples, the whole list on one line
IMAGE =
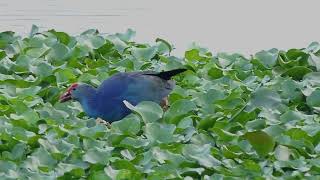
[(135, 87), (165, 75), (139, 86)]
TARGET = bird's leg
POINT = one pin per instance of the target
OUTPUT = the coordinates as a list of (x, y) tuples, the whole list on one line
[(101, 121), (164, 104)]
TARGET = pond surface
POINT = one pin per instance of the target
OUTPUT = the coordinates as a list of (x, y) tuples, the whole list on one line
[(246, 26)]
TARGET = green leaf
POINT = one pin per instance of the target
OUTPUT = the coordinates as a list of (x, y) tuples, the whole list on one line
[(64, 75), (34, 30), (144, 53), (119, 45), (313, 78), (282, 153), (43, 70), (314, 99), (99, 175), (6, 166), (297, 72), (134, 142), (314, 61), (96, 42), (264, 98), (201, 154), (163, 46), (97, 155), (63, 37), (23, 63), (160, 133), (58, 52), (149, 111), (2, 54), (178, 109), (224, 135), (74, 170), (127, 36), (260, 141), (40, 159), (215, 73), (192, 54), (129, 125), (267, 58)]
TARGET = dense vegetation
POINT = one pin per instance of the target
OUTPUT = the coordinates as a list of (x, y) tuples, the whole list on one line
[(230, 116)]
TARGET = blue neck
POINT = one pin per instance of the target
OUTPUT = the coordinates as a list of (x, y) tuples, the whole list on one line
[(88, 101)]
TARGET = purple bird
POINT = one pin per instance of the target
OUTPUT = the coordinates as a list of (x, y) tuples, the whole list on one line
[(106, 101)]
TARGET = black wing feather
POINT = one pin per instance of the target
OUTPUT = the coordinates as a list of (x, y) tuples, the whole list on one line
[(166, 75)]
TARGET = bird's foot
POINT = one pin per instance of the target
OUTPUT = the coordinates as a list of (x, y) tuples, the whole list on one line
[(101, 121), (164, 104)]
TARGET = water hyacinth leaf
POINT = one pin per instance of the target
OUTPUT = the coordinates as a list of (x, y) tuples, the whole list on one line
[(274, 131), (297, 55), (215, 73), (282, 153), (144, 53), (163, 46), (75, 170), (264, 98), (134, 142), (34, 30), (201, 154), (23, 63), (63, 37), (262, 143), (178, 109), (64, 75), (119, 45), (98, 155), (99, 175), (314, 99), (194, 55), (297, 72), (96, 41), (31, 91), (267, 58), (127, 36), (129, 125), (2, 54), (291, 90), (43, 70), (58, 52), (256, 124), (160, 133), (164, 155), (149, 111), (40, 159), (38, 52), (314, 61), (224, 135), (312, 78), (313, 47), (225, 59)]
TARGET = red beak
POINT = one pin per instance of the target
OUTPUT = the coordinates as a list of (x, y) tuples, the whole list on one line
[(65, 97)]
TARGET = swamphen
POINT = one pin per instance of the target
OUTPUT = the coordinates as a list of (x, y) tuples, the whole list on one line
[(106, 101)]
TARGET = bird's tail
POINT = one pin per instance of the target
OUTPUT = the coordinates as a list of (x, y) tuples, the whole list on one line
[(166, 75)]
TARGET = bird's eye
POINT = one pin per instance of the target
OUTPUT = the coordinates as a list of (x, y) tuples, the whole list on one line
[(73, 89)]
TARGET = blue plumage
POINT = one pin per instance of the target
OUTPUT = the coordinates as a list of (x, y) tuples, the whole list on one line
[(106, 101)]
